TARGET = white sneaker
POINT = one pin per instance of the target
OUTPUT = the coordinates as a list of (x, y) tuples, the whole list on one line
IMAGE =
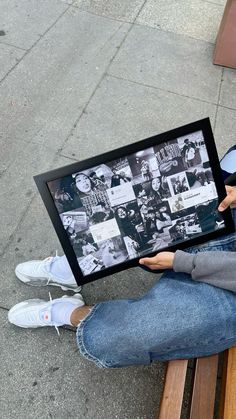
[(37, 273), (37, 313)]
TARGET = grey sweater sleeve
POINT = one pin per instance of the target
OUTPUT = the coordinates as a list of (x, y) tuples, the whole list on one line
[(214, 268)]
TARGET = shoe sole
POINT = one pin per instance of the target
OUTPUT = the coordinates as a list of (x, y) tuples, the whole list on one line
[(53, 284)]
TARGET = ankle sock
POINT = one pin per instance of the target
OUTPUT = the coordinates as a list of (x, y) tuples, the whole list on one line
[(61, 312)]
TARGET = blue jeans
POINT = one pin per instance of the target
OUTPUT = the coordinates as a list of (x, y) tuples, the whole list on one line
[(177, 318)]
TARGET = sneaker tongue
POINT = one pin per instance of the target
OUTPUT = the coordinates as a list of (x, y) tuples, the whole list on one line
[(44, 266), (45, 316)]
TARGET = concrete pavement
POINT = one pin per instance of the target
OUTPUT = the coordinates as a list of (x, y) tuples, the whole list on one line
[(78, 78)]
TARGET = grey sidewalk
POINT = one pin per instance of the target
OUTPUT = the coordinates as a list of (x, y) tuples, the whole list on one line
[(78, 78)]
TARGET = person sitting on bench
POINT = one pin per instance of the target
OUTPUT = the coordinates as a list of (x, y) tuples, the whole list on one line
[(181, 316)]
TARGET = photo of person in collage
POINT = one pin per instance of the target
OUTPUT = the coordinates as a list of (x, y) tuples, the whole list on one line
[(138, 204)]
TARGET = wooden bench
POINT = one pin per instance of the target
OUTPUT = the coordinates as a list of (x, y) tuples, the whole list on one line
[(203, 389), (225, 49)]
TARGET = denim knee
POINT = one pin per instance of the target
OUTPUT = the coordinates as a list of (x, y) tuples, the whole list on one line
[(177, 317)]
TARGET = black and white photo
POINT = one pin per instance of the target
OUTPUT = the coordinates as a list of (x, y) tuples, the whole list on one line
[(169, 158), (178, 183), (198, 177), (185, 228), (75, 221), (193, 149), (106, 253), (144, 165), (120, 172), (209, 217)]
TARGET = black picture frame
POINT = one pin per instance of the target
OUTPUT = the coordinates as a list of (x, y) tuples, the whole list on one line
[(132, 170)]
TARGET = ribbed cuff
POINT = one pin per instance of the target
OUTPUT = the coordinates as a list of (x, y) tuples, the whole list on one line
[(183, 262)]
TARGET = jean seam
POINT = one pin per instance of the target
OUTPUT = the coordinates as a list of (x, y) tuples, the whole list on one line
[(80, 339)]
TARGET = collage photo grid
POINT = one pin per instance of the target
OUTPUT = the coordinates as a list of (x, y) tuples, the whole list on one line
[(138, 204)]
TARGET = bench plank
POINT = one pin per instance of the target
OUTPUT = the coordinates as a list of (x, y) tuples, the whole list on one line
[(204, 387), (225, 49), (229, 410), (172, 397)]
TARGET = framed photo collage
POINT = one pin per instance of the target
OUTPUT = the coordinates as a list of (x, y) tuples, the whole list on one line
[(159, 194)]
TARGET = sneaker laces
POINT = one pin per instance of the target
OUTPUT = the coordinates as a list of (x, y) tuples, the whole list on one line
[(45, 263)]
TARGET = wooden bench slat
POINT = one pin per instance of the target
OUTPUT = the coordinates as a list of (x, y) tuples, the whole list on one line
[(223, 384), (225, 49), (229, 411), (172, 397), (203, 396)]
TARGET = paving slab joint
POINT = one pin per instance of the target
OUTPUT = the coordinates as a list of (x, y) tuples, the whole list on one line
[(100, 80), (218, 98), (35, 43)]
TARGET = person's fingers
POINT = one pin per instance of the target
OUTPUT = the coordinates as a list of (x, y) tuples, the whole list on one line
[(147, 261), (224, 204), (144, 261), (149, 265), (227, 201)]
